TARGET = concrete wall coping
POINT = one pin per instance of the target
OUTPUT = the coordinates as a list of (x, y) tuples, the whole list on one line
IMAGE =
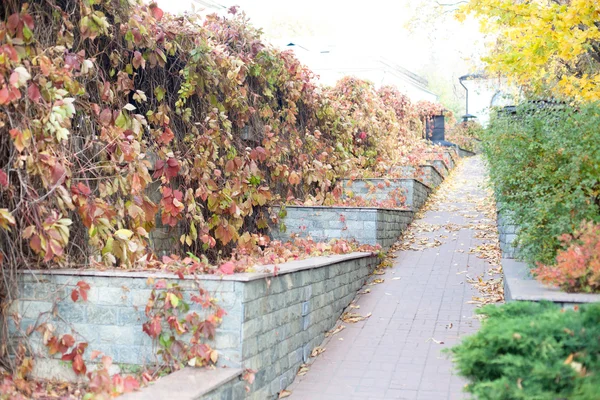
[(391, 179), (347, 208), (263, 271), (186, 384), (519, 285)]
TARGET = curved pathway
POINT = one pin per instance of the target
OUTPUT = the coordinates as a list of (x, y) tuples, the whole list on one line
[(424, 305)]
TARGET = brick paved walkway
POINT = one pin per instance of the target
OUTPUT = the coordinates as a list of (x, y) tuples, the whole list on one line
[(394, 353)]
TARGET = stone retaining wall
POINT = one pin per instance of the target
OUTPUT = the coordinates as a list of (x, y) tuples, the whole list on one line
[(507, 231), (365, 225), (431, 176), (272, 322), (441, 167), (381, 189), (426, 174)]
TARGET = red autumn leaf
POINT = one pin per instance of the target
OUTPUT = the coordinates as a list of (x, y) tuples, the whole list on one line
[(207, 329), (105, 117), (34, 93), (75, 295), (153, 328), (59, 173), (83, 289), (166, 136), (156, 12), (81, 189), (28, 20), (220, 313), (227, 268), (138, 60), (130, 384), (78, 365), (3, 179), (4, 96), (54, 346), (13, 23), (67, 340), (11, 52)]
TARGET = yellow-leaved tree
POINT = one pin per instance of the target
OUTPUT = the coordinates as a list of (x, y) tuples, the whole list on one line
[(548, 47)]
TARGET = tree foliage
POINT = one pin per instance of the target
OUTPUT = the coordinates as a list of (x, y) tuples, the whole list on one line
[(549, 47)]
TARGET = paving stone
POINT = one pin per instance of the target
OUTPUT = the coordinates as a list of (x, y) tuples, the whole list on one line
[(392, 355)]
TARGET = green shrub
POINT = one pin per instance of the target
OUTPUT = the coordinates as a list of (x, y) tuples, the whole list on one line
[(530, 351), (545, 166)]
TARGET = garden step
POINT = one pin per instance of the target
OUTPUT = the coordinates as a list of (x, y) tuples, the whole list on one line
[(194, 384)]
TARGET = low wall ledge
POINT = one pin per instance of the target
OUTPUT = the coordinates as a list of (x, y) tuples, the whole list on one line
[(348, 208), (186, 384), (263, 271), (520, 286)]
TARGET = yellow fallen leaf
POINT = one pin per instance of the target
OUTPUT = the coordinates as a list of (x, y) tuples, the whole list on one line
[(569, 359), (338, 329), (316, 351), (284, 393)]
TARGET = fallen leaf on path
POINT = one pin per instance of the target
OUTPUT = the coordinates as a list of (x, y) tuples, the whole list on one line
[(396, 278), (351, 317), (435, 341), (316, 351), (284, 393), (303, 370), (338, 329), (366, 291), (377, 281)]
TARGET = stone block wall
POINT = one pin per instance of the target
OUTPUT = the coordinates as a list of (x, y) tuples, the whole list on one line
[(381, 189), (281, 329), (272, 322), (431, 176), (426, 174), (451, 157), (111, 320), (441, 167), (365, 225)]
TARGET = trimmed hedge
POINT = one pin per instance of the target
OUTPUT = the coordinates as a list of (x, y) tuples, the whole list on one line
[(545, 166)]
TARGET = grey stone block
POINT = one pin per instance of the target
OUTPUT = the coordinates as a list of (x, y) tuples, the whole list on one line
[(117, 335), (72, 312), (103, 315)]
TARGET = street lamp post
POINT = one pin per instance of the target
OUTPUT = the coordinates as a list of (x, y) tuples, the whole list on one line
[(461, 79)]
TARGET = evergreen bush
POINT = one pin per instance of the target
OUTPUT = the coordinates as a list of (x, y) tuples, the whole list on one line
[(528, 350)]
